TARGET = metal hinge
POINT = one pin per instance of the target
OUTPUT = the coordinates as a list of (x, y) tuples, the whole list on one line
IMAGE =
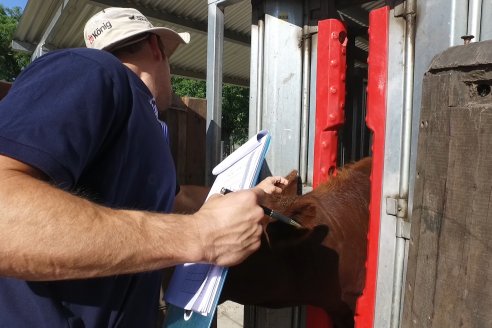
[(398, 207)]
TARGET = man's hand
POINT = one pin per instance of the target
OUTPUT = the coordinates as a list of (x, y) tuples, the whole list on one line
[(230, 226), (273, 184)]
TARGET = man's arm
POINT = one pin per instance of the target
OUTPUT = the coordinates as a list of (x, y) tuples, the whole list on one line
[(50, 234)]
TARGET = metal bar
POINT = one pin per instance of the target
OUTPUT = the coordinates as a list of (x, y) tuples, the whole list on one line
[(408, 97), (259, 83), (409, 65), (306, 78), (253, 80), (40, 50), (474, 18), (22, 46), (215, 51), (281, 92)]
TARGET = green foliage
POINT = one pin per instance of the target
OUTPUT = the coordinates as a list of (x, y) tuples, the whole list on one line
[(235, 110), (235, 107), (187, 87), (11, 63)]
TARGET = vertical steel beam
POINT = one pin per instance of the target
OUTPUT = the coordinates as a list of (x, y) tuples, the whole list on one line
[(42, 46), (215, 52), (474, 19), (254, 93), (312, 111), (402, 224), (215, 55), (259, 81), (306, 79), (281, 93)]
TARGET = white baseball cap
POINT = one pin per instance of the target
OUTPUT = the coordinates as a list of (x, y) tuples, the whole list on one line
[(109, 28)]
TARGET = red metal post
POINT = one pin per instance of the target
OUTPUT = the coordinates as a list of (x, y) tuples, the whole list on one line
[(330, 115), (330, 96), (376, 122)]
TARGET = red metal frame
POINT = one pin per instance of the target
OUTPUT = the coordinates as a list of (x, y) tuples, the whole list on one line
[(330, 98), (330, 115), (376, 122)]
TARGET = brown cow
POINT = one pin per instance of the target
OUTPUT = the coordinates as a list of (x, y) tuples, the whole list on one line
[(322, 264)]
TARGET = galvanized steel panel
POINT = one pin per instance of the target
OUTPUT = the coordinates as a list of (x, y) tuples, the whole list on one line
[(282, 93)]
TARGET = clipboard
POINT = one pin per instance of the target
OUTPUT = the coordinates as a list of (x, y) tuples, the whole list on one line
[(194, 290)]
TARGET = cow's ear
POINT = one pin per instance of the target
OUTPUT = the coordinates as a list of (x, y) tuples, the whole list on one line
[(318, 234), (292, 188), (283, 235), (304, 212)]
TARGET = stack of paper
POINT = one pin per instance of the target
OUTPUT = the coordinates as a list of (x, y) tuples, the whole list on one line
[(197, 286), (194, 286)]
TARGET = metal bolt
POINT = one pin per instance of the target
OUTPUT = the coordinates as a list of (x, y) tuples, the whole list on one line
[(467, 38)]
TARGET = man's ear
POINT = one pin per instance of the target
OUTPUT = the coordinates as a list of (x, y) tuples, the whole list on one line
[(157, 53)]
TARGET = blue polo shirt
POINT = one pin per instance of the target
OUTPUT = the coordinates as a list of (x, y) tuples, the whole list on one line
[(89, 124)]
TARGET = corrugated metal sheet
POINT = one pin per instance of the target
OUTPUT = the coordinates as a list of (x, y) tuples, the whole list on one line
[(64, 20), (71, 15)]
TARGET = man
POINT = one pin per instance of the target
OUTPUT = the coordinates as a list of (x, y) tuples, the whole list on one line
[(85, 175)]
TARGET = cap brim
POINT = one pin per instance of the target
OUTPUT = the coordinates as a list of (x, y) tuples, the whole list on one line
[(170, 39)]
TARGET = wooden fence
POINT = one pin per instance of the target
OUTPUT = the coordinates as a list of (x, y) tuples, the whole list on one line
[(186, 120)]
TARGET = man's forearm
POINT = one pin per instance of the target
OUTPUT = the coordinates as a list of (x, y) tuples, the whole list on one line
[(49, 234)]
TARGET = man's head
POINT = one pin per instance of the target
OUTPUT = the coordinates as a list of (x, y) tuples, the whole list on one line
[(114, 28), (143, 48)]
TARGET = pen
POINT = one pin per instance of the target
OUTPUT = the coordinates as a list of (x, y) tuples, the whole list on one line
[(271, 213)]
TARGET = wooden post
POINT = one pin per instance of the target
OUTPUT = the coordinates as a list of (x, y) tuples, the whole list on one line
[(450, 264)]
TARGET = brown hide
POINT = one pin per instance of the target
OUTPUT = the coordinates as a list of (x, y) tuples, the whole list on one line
[(322, 264)]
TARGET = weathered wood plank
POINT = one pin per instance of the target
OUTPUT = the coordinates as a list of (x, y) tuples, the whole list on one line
[(187, 137), (448, 282)]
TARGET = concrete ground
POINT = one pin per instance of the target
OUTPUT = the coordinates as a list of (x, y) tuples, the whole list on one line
[(230, 315)]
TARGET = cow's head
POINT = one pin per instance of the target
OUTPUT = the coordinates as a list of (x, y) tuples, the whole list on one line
[(302, 210)]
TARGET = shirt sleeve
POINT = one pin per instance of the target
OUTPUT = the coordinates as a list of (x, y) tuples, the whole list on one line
[(59, 114)]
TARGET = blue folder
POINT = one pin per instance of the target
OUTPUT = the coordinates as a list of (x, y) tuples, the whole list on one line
[(188, 278)]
